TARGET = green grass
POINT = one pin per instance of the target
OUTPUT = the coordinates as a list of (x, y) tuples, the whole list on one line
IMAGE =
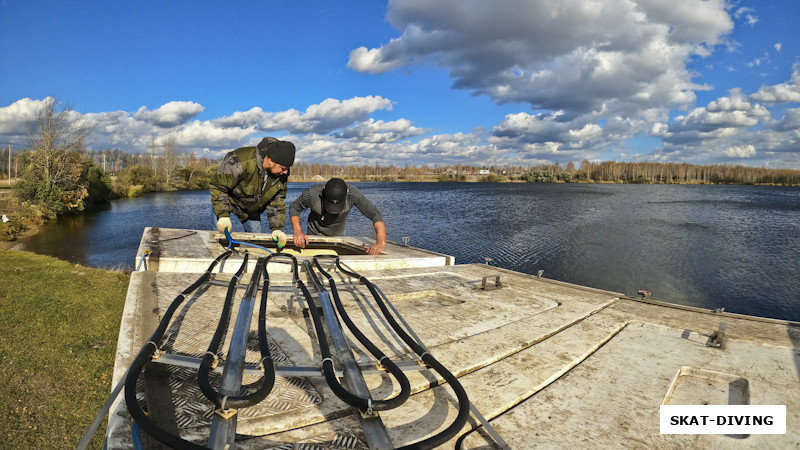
[(58, 334)]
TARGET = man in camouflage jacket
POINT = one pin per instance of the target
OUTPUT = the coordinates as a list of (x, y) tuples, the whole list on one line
[(251, 180)]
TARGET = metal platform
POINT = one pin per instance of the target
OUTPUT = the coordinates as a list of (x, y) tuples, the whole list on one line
[(549, 364)]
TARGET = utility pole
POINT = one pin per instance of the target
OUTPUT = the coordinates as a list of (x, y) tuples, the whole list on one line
[(9, 164)]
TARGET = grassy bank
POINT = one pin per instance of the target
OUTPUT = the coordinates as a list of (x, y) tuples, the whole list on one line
[(58, 333)]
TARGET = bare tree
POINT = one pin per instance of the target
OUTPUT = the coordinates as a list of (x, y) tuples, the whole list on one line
[(170, 157), (152, 152), (56, 139)]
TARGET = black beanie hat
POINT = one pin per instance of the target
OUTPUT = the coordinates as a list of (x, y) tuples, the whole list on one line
[(281, 152)]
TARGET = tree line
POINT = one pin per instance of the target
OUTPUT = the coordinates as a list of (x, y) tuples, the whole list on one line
[(60, 175)]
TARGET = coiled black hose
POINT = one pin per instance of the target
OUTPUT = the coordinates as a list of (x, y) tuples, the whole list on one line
[(328, 370), (146, 353), (461, 395), (327, 361), (405, 386), (267, 382)]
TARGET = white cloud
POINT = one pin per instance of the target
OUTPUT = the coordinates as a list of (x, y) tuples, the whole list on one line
[(325, 117), (204, 134), (245, 119), (574, 55), (734, 102), (549, 133), (133, 132), (14, 118), (364, 60), (780, 93), (701, 120), (741, 151), (748, 14), (758, 61), (380, 131), (170, 114)]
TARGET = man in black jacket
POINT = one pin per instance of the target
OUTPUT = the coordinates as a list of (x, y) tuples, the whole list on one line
[(330, 204)]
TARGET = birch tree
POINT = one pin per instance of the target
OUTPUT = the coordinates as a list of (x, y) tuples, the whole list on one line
[(170, 158)]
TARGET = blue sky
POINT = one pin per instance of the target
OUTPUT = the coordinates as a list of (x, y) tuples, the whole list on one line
[(417, 82)]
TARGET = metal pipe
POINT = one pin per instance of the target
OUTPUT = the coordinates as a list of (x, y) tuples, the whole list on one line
[(461, 395), (374, 430), (383, 360), (223, 429)]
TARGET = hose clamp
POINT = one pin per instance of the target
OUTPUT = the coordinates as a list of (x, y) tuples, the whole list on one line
[(421, 361), (156, 353), (215, 362), (261, 363), (380, 365)]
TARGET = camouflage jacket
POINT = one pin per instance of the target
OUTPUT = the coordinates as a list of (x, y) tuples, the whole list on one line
[(243, 187)]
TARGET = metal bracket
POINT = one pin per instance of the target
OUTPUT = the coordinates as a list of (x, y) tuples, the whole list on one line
[(290, 307), (369, 413), (717, 339), (226, 413), (491, 286)]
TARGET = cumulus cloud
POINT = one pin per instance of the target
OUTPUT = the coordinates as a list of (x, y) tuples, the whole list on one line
[(575, 55), (325, 117), (439, 149), (703, 122), (741, 151), (242, 119), (780, 93), (14, 118), (747, 14), (170, 114), (133, 132), (538, 137), (333, 114), (595, 75), (380, 131)]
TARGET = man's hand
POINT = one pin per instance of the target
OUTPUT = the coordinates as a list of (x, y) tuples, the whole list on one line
[(300, 239), (279, 237), (224, 223), (376, 248), (380, 239)]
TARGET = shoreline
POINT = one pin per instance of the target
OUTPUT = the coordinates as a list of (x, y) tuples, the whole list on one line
[(20, 238)]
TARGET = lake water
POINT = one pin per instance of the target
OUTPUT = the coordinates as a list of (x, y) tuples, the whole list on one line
[(732, 247)]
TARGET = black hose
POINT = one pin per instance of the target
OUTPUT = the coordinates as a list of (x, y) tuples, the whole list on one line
[(405, 386), (461, 395), (267, 382), (144, 356), (213, 347), (328, 371)]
